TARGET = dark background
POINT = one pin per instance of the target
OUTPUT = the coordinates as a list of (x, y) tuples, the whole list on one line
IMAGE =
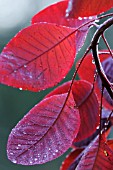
[(14, 104)]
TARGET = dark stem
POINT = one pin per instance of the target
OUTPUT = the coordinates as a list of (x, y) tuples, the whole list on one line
[(94, 47), (107, 45)]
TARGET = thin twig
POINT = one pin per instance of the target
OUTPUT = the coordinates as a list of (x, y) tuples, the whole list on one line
[(107, 45), (94, 47)]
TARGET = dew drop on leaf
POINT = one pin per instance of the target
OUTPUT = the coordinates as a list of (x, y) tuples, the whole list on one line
[(14, 161), (20, 88), (93, 62), (25, 66), (31, 162), (38, 155), (97, 127), (90, 17), (79, 18), (35, 159)]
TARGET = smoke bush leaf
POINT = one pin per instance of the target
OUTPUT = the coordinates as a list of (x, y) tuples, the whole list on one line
[(45, 133), (96, 156), (85, 8), (87, 103), (49, 15), (107, 64), (38, 57)]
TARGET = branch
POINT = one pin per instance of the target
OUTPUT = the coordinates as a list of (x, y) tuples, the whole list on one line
[(94, 46)]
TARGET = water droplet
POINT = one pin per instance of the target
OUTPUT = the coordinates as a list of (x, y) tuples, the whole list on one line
[(19, 145), (105, 152), (67, 14), (20, 88), (56, 150), (11, 153), (97, 127), (15, 71), (97, 20), (38, 155), (35, 159), (14, 161), (31, 76), (49, 149), (79, 18), (53, 153), (25, 66), (106, 123), (93, 61), (85, 17), (45, 156), (30, 162), (24, 133), (90, 17)]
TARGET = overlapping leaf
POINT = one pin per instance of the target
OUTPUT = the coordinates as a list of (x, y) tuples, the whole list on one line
[(96, 156), (85, 8), (71, 160), (87, 103), (38, 57), (56, 14), (107, 64), (45, 133)]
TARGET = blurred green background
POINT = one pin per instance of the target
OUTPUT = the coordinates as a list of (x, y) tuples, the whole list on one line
[(14, 104)]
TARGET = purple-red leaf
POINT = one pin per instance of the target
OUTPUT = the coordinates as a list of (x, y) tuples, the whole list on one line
[(87, 103), (85, 8), (38, 57), (97, 156), (56, 14), (45, 133), (107, 64)]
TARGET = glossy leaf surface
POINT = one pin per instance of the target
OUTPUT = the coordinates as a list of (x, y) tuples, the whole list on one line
[(85, 8), (45, 133), (38, 57), (107, 64), (56, 14), (87, 104), (97, 156)]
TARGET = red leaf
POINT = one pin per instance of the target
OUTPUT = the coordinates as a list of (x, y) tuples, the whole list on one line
[(85, 8), (49, 15), (38, 57), (70, 159), (90, 71), (110, 143), (87, 103), (45, 133), (97, 156)]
